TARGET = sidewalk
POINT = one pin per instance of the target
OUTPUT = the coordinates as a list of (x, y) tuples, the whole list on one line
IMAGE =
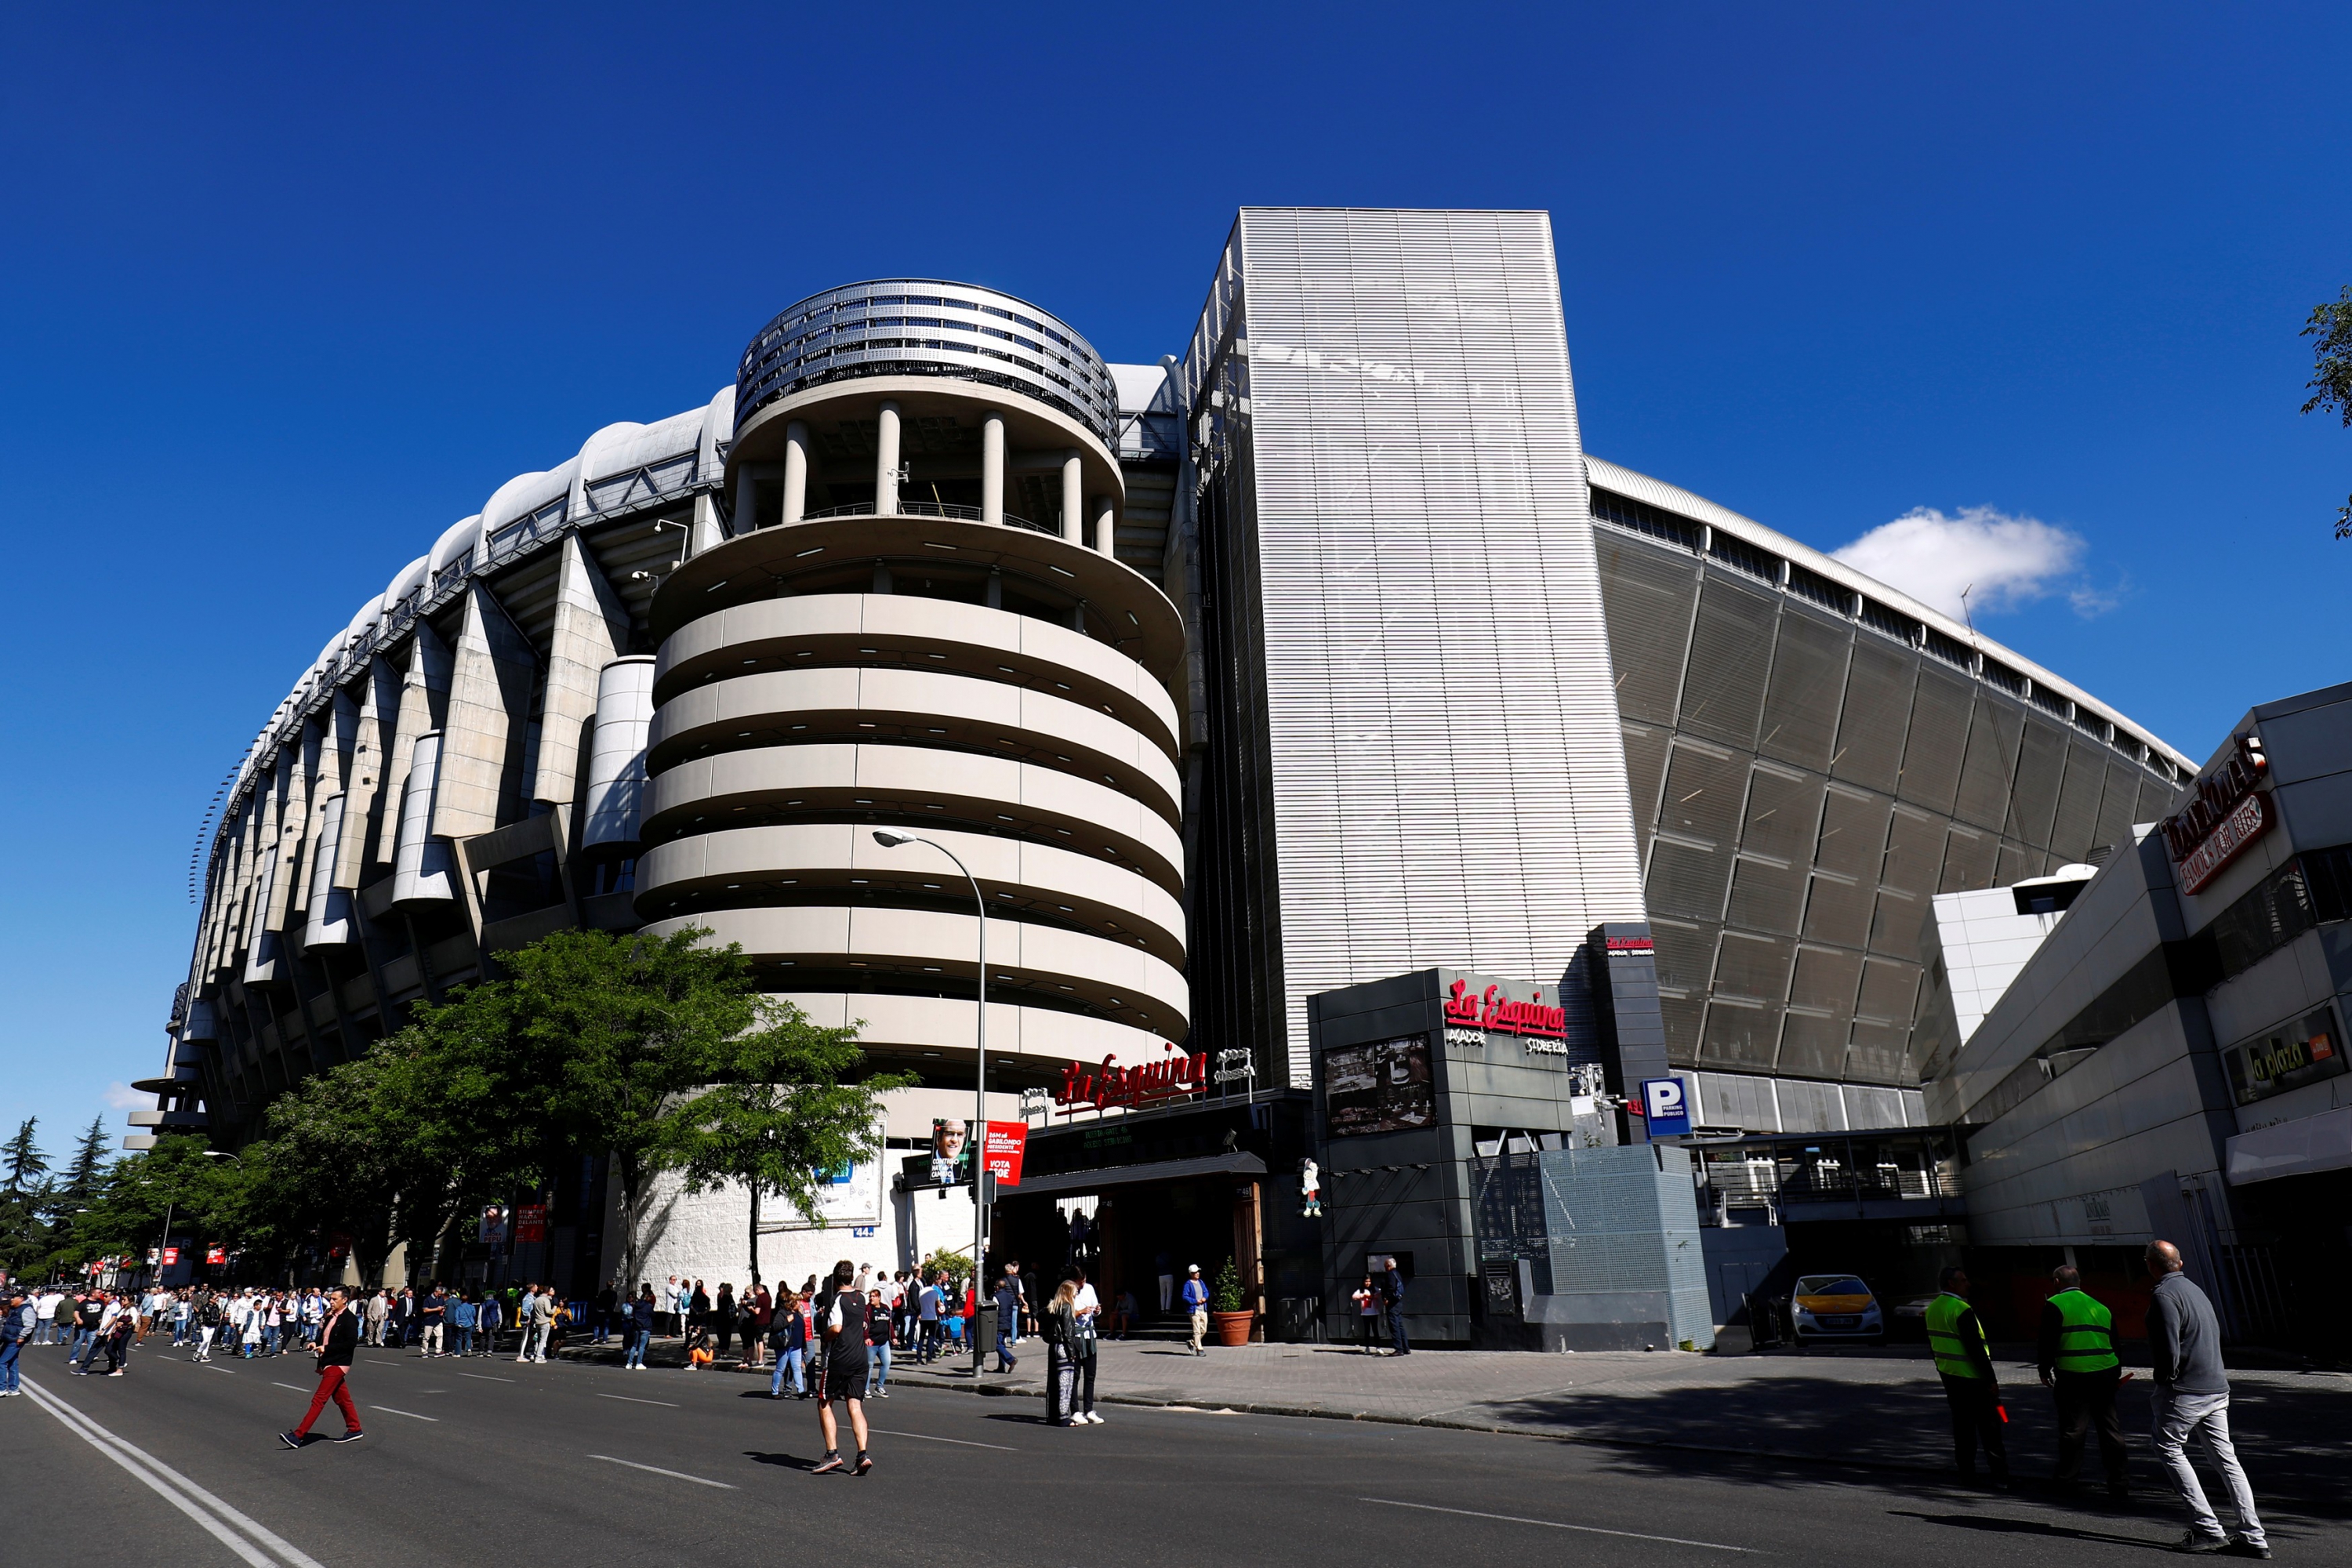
[(1879, 1409)]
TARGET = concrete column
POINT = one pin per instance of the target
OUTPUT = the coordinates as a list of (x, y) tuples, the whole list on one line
[(796, 466), (616, 757), (705, 532), (1074, 496), (1105, 528), (591, 630), (886, 462), (420, 862), (483, 751), (991, 468)]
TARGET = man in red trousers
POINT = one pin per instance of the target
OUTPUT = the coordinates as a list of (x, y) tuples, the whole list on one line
[(338, 1337)]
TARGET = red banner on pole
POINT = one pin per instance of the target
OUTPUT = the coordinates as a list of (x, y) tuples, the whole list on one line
[(531, 1222), (1007, 1143), (215, 1254), (171, 1257)]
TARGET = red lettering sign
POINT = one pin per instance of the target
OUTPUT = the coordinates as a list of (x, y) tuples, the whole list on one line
[(1498, 1014), (2224, 814), (2247, 821), (531, 1222), (1111, 1084), (171, 1257), (1000, 1156), (215, 1254)]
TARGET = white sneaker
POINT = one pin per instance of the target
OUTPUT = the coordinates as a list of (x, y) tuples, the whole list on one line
[(1094, 1419)]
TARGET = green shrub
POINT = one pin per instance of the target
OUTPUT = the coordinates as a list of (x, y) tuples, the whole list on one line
[(1228, 1294)]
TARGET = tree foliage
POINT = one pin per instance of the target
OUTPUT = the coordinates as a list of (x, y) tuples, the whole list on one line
[(777, 1115), (26, 1164), (2331, 378)]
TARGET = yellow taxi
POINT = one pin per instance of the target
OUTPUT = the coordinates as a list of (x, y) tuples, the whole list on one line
[(1828, 1308)]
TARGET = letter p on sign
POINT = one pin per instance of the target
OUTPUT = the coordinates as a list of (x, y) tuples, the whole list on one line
[(1665, 1106)]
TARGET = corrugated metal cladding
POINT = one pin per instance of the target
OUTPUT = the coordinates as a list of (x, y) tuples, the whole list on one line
[(1802, 786), (1447, 786)]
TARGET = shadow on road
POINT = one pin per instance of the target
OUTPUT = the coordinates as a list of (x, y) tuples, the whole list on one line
[(1995, 1525)]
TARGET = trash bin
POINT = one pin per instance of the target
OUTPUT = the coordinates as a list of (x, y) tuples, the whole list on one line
[(984, 1342)]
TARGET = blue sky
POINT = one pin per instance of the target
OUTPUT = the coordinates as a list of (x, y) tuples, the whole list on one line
[(285, 293)]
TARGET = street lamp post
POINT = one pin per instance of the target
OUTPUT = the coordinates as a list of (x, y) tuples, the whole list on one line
[(891, 840)]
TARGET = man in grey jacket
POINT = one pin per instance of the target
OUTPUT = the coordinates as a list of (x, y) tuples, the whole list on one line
[(2192, 1397)]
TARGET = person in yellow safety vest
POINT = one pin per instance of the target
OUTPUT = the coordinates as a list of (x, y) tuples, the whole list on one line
[(2078, 1359), (1965, 1363)]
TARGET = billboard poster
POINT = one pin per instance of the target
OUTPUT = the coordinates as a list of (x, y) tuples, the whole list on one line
[(848, 1196), (1382, 1087), (492, 1230), (950, 1152), (531, 1222), (1007, 1142), (215, 1254)]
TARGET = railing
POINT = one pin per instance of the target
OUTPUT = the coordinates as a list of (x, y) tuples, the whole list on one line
[(930, 509)]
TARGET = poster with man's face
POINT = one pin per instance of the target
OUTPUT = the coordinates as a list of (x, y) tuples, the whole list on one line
[(950, 1152)]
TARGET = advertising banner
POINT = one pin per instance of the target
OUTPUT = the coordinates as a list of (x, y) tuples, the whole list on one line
[(215, 1254), (492, 1230), (950, 1152), (1383, 1087), (531, 1222), (1007, 1142), (171, 1257)]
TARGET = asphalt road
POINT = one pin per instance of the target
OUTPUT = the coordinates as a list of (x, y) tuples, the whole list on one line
[(487, 1460)]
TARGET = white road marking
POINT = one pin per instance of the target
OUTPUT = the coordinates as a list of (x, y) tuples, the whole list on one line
[(674, 1475), (626, 1399), (412, 1414), (1555, 1525), (248, 1540), (485, 1378), (959, 1442), (290, 1385), (210, 1367)]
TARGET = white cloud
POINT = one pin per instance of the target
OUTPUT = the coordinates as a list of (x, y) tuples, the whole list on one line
[(122, 1097), (2000, 561)]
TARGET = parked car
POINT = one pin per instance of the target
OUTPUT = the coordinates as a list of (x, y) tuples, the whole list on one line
[(1909, 1319), (1828, 1308)]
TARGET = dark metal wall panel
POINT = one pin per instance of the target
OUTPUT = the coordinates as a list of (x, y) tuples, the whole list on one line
[(1825, 980), (2041, 758), (1881, 1053), (1837, 911), (1784, 814), (1645, 767), (1915, 851), (2016, 863), (1939, 735), (1706, 787), (1876, 714), (1969, 859), (1754, 967), (1687, 881), (1989, 765), (1813, 1045), (1730, 657), (1767, 895), (2119, 802), (1648, 594), (1685, 955), (1894, 924), (1740, 1035), (2156, 798), (1801, 706), (1888, 990), (1683, 1016), (2085, 779), (1853, 833)]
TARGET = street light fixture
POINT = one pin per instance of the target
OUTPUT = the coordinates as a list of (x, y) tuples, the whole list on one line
[(890, 838)]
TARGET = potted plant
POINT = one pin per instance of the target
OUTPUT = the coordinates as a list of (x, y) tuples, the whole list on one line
[(1229, 1314)]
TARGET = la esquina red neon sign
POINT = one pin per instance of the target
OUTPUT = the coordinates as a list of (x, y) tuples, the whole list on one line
[(1111, 1084), (1493, 1012)]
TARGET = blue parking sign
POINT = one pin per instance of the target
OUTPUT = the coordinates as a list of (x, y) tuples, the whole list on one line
[(1665, 1105)]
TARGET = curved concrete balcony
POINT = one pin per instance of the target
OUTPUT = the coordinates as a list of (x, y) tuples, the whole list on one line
[(911, 1031), (916, 784), (752, 567), (942, 634), (808, 860), (1125, 984), (921, 706)]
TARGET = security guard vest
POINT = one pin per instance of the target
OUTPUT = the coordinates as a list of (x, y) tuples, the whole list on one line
[(1945, 1338), (2087, 1340)]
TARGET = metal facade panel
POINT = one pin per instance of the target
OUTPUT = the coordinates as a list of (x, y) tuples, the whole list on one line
[(1740, 1034), (1448, 778), (1649, 597), (1800, 707), (2119, 802), (1704, 788), (1939, 735), (1730, 659), (1784, 814), (2076, 830), (1645, 770), (1767, 895), (1990, 765), (2040, 757), (1969, 859)]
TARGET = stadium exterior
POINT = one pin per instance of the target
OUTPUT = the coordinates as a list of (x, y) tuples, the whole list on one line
[(1316, 654)]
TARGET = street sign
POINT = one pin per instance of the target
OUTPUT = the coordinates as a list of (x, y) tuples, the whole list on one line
[(1665, 1106)]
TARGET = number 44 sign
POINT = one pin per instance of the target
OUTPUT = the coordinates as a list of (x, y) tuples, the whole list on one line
[(1665, 1105)]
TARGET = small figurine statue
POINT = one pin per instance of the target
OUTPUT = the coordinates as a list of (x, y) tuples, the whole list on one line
[(1310, 1187)]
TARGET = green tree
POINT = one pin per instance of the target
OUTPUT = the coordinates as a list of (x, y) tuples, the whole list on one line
[(779, 1115), (344, 1149), (2331, 378), (87, 1169), (26, 1164), (202, 1197)]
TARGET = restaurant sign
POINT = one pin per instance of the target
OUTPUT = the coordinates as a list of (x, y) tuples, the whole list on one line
[(2226, 812), (1470, 1016), (1100, 1088)]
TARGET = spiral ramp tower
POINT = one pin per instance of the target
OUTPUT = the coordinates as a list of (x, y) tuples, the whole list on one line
[(918, 621)]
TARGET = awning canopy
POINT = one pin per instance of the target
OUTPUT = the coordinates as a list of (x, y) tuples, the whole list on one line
[(1234, 1165)]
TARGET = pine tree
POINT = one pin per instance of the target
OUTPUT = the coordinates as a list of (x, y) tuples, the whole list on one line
[(88, 1167), (26, 1164)]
